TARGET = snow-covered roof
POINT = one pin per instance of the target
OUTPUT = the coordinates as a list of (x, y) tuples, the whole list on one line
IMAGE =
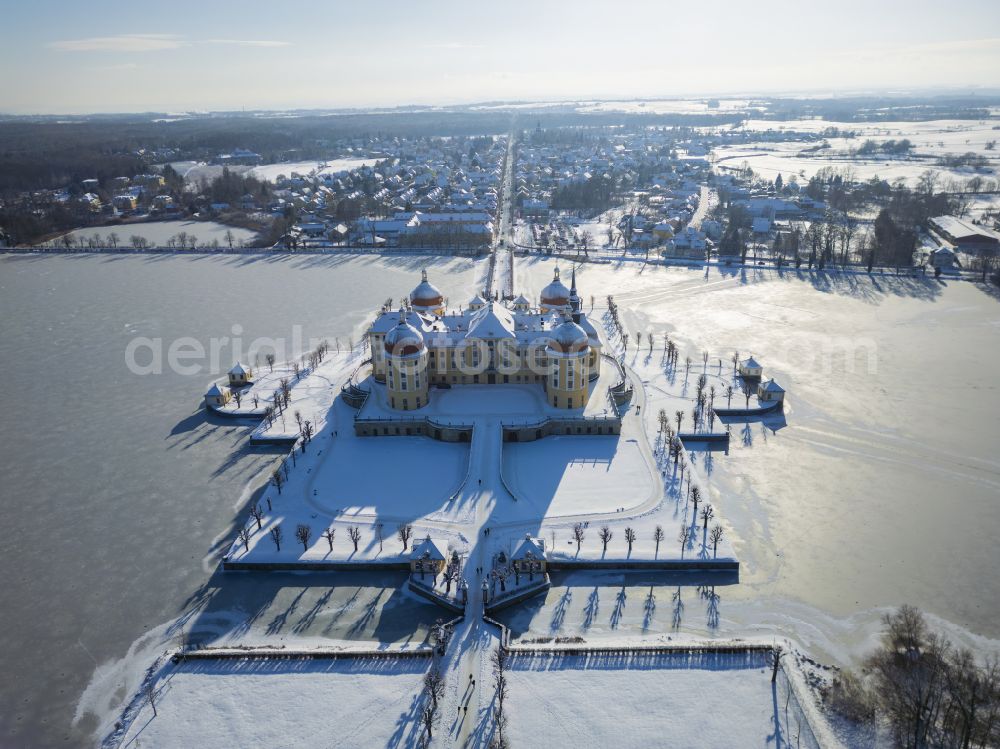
[(556, 292), (214, 391), (425, 294), (427, 549), (492, 321), (750, 363), (772, 387), (530, 547), (569, 337), (238, 369)]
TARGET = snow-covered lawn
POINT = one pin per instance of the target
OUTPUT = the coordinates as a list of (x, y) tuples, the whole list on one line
[(577, 475), (395, 476), (283, 703), (313, 394), (643, 700)]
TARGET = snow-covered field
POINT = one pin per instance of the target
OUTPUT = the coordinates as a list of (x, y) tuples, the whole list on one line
[(931, 140), (271, 172), (158, 232), (667, 106), (196, 171), (651, 700), (283, 703)]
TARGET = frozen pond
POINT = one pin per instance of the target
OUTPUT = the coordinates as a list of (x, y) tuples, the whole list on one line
[(119, 495), (158, 233)]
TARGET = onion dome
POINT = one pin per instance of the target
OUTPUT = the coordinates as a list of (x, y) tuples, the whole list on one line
[(404, 339), (555, 294), (426, 294), (569, 338)]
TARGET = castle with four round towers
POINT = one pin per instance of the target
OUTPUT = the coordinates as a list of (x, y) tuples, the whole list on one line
[(487, 342)]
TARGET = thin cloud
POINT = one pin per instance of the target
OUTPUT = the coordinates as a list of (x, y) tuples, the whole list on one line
[(150, 43), (120, 43), (249, 42), (453, 45)]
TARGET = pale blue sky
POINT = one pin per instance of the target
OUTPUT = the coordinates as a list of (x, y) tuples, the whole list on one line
[(68, 57)]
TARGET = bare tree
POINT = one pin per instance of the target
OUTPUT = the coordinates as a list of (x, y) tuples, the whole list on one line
[(269, 358), (354, 533), (658, 536), (498, 659), (405, 533), (276, 535), (777, 653), (695, 498), (679, 416), (329, 534), (378, 532), (683, 537), (277, 479), (434, 686), (150, 692), (578, 533), (303, 533), (715, 536), (256, 513), (707, 513), (605, 535), (244, 538), (630, 538), (428, 716)]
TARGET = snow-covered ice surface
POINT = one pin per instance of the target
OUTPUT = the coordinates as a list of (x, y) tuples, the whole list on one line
[(283, 703), (642, 700), (839, 507), (171, 509), (157, 233)]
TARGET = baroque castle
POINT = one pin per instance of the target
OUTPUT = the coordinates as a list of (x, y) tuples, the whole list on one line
[(423, 345)]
